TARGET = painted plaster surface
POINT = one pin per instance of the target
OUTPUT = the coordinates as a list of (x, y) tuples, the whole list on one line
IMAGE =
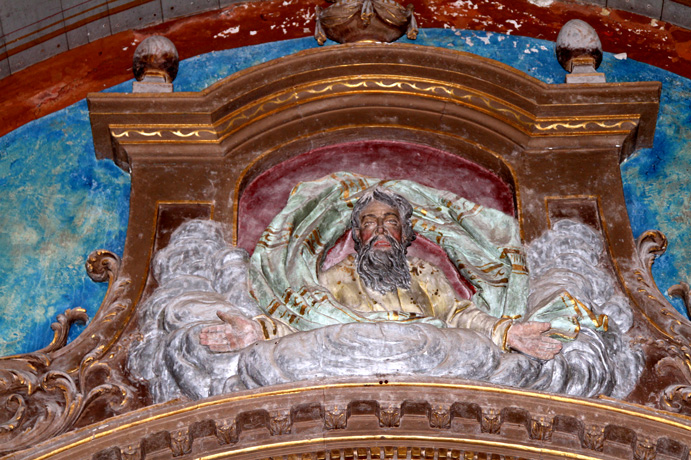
[(58, 203)]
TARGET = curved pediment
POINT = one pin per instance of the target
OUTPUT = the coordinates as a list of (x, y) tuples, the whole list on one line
[(402, 90)]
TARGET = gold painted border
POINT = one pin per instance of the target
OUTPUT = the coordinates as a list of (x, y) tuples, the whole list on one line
[(89, 435), (386, 437)]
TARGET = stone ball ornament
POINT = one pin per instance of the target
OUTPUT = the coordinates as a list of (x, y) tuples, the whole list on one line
[(578, 42), (155, 60)]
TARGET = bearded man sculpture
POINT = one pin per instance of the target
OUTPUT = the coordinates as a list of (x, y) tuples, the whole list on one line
[(381, 279), (286, 315)]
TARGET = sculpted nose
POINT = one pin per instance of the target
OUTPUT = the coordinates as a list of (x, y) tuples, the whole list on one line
[(380, 229)]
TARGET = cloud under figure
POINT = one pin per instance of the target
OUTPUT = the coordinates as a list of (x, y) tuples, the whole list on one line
[(199, 274)]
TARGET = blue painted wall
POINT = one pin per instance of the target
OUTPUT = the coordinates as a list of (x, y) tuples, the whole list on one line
[(58, 203)]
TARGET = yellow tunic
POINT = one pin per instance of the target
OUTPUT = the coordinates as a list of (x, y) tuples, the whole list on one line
[(430, 295)]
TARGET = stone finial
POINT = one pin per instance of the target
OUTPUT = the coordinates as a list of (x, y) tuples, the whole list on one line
[(349, 21), (579, 52), (155, 65)]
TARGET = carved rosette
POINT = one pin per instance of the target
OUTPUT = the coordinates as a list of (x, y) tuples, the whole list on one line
[(43, 394)]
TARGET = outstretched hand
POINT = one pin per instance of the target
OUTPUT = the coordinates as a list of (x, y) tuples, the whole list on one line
[(529, 338), (238, 332)]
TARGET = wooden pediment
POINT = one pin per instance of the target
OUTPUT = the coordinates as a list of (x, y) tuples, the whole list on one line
[(553, 149)]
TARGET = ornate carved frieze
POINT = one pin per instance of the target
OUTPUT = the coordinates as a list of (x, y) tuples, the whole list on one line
[(612, 430)]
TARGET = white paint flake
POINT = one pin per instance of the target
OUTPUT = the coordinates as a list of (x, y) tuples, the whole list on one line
[(541, 3), (227, 32), (253, 32), (514, 22), (485, 40), (620, 56)]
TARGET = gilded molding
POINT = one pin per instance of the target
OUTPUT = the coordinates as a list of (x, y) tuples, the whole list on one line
[(372, 84)]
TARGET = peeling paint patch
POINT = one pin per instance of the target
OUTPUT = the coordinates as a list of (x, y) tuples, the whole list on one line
[(541, 3), (227, 32)]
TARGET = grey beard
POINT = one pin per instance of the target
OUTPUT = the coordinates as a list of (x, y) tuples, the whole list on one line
[(383, 271)]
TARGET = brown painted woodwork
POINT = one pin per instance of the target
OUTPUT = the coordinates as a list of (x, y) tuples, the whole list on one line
[(556, 148)]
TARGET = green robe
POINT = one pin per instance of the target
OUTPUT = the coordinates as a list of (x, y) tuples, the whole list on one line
[(483, 243)]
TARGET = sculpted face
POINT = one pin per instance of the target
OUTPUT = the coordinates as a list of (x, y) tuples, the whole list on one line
[(377, 221)]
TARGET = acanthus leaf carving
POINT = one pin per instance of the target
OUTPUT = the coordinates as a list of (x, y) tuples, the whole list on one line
[(131, 452), (280, 422), (683, 292), (541, 428), (650, 245), (644, 450), (491, 421), (439, 416), (389, 415), (226, 431), (594, 438), (180, 442), (336, 417), (43, 398)]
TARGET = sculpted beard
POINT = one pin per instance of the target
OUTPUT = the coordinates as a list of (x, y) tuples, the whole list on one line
[(383, 271)]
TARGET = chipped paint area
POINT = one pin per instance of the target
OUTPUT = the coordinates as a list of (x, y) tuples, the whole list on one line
[(59, 203), (229, 31), (541, 3)]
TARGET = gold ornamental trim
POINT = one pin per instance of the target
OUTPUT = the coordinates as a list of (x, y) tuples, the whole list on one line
[(385, 437), (683, 423), (449, 93)]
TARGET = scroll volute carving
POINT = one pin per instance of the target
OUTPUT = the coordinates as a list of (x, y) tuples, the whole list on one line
[(46, 392), (668, 344)]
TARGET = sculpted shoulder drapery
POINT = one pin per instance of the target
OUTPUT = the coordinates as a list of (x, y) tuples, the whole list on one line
[(483, 244)]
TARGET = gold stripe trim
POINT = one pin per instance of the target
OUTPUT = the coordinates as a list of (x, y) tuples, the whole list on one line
[(431, 439), (684, 423)]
